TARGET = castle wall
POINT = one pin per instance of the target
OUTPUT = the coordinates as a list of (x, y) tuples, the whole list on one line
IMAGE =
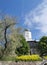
[(33, 47)]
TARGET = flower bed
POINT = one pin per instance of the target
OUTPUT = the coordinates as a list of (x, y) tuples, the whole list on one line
[(29, 58)]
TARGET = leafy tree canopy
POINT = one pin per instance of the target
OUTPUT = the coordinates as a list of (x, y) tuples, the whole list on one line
[(42, 46), (24, 48)]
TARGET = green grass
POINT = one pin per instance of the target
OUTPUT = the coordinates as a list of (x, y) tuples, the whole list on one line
[(8, 58), (45, 57)]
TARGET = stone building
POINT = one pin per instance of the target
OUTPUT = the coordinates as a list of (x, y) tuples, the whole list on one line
[(33, 43)]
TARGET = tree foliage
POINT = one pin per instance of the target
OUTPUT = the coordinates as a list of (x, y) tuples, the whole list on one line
[(11, 38), (15, 41), (24, 49), (9, 34), (42, 46)]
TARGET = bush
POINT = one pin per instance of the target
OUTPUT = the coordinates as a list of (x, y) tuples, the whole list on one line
[(8, 58), (29, 58), (24, 49), (45, 57), (42, 46)]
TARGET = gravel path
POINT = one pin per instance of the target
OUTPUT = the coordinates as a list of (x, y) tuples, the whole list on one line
[(16, 63)]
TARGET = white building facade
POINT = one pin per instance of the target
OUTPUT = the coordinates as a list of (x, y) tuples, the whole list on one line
[(28, 36), (32, 43)]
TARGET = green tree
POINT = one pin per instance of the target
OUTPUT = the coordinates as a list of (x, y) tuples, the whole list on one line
[(15, 40), (24, 49), (42, 46), (1, 49), (7, 27), (9, 35)]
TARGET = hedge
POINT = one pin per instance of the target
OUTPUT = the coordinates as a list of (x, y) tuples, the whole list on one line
[(29, 58)]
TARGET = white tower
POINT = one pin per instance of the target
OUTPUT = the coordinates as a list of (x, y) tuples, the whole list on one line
[(28, 35)]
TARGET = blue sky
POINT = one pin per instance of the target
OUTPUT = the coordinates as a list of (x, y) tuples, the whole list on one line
[(31, 14)]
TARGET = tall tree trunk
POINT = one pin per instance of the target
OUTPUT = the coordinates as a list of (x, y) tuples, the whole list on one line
[(5, 37)]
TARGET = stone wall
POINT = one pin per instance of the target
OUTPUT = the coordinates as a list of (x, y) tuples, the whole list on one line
[(23, 63), (16, 63)]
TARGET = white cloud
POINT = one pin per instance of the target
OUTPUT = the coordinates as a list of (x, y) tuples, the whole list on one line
[(37, 18)]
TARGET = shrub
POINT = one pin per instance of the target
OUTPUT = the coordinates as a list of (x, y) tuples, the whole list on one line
[(24, 49), (42, 46), (29, 58), (45, 57), (8, 58)]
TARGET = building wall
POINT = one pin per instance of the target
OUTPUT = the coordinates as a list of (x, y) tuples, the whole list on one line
[(32, 43), (28, 35), (33, 47)]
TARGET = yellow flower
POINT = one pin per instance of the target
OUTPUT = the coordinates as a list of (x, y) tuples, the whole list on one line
[(29, 57)]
